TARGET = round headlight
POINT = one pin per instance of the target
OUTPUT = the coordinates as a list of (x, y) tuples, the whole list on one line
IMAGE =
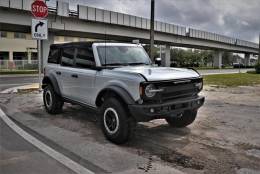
[(149, 91), (199, 85)]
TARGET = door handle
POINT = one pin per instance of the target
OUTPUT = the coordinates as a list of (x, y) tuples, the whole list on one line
[(74, 75), (58, 72)]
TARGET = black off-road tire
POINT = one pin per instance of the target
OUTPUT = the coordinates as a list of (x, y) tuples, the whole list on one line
[(186, 119), (52, 101), (125, 130)]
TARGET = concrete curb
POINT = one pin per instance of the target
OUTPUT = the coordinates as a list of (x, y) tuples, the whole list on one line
[(19, 75), (34, 86)]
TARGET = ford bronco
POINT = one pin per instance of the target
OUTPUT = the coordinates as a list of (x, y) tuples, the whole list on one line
[(120, 82)]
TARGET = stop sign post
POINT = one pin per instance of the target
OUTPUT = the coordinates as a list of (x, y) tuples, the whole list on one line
[(39, 9)]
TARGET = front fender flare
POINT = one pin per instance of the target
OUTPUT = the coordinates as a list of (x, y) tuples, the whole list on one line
[(121, 92)]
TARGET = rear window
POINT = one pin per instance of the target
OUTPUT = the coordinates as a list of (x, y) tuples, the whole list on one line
[(54, 56)]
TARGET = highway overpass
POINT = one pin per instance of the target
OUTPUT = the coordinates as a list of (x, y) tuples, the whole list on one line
[(96, 23)]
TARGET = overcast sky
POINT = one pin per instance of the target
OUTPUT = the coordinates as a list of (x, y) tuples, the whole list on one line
[(234, 18)]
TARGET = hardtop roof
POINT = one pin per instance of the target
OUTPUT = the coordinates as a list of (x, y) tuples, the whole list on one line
[(83, 44)]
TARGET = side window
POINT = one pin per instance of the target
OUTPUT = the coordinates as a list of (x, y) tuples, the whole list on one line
[(67, 58), (54, 56), (85, 58)]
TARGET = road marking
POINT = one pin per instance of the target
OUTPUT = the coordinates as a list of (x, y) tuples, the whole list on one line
[(77, 168)]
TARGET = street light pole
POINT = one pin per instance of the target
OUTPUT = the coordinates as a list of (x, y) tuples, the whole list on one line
[(152, 30)]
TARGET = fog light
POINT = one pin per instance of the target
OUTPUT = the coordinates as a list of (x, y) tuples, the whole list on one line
[(152, 110)]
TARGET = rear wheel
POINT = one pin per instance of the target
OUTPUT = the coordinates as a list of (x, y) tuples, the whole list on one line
[(182, 120), (116, 123), (53, 102)]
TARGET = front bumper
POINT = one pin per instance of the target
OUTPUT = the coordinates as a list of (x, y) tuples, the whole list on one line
[(149, 112)]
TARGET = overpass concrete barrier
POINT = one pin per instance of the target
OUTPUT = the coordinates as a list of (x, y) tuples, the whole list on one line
[(123, 25), (105, 16), (17, 4)]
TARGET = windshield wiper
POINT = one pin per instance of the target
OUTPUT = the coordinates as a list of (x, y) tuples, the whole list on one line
[(117, 64), (139, 63), (126, 64)]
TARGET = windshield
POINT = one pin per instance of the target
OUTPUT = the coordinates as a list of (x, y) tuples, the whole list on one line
[(122, 55)]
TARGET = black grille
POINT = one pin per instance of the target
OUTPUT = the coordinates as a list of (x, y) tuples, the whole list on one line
[(177, 89)]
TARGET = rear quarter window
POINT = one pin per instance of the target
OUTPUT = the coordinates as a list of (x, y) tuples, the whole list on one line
[(54, 56)]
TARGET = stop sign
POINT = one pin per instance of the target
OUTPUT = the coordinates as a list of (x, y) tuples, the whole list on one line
[(39, 9)]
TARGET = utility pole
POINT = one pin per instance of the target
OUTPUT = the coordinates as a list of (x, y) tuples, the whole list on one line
[(152, 30)]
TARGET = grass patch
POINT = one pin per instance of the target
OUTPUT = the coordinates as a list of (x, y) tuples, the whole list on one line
[(232, 80), (8, 72)]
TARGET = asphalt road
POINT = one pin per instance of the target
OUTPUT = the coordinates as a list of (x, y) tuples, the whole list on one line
[(17, 156), (12, 81)]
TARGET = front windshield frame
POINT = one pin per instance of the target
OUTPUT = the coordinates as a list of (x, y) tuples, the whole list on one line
[(104, 60)]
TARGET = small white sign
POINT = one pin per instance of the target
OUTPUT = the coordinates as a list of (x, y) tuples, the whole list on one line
[(39, 29)]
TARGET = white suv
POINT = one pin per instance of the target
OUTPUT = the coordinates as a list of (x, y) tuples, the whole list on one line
[(119, 82)]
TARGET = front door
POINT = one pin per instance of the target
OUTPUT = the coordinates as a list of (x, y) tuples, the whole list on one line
[(84, 74)]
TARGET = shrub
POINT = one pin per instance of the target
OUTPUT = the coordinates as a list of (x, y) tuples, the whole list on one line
[(257, 68)]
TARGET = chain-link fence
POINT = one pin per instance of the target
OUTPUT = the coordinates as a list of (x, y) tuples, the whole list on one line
[(18, 65)]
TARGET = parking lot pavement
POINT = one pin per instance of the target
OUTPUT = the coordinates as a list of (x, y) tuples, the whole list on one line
[(224, 139)]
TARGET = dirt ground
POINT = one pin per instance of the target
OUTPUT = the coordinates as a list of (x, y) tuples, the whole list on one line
[(225, 138)]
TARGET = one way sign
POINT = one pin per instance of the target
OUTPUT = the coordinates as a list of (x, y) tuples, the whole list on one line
[(39, 29)]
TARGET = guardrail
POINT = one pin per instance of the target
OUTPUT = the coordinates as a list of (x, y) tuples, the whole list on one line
[(18, 65)]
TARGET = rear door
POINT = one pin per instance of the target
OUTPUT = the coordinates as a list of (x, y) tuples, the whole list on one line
[(66, 70)]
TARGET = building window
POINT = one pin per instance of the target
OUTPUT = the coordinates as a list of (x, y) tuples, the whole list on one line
[(20, 35), (3, 34)]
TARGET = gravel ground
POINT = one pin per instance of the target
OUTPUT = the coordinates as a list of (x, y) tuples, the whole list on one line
[(224, 139)]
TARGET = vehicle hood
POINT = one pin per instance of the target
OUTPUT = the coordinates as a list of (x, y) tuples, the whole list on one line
[(152, 73)]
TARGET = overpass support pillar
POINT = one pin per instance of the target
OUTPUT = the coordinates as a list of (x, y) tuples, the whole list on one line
[(166, 61), (11, 56), (217, 62), (46, 48), (247, 59)]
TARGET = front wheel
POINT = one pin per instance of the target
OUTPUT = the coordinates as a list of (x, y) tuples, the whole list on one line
[(52, 102), (116, 123), (182, 120)]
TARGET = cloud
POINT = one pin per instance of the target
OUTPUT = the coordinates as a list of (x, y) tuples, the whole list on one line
[(235, 18)]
